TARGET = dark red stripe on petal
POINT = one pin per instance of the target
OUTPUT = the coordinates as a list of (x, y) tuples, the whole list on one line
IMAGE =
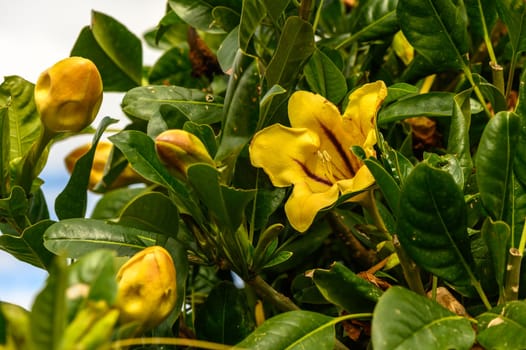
[(339, 148), (311, 175)]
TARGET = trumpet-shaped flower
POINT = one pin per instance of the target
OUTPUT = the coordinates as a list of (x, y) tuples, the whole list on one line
[(314, 154)]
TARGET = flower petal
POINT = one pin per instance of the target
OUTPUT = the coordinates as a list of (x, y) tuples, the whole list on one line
[(361, 181), (288, 155), (314, 112), (303, 205)]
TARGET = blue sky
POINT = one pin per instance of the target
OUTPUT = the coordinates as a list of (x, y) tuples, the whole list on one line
[(34, 34)]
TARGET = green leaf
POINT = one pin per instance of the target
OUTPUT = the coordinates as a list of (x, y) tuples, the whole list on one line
[(344, 288), (112, 203), (496, 235), (494, 161), (227, 51), (405, 320), (24, 122), (115, 50), (14, 324), (174, 68), (15, 206), (227, 204), (76, 237), (139, 149), (437, 29), (373, 19), (458, 141), (325, 78), (29, 247), (241, 110), (513, 14), (388, 185), (197, 13), (480, 13), (48, 314), (292, 330), (252, 13), (432, 104), (225, 316), (275, 8), (400, 90), (295, 46), (152, 211), (5, 150), (432, 225), (72, 201), (504, 327), (519, 164), (516, 210), (144, 102)]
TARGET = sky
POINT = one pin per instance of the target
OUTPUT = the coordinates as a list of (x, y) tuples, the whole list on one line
[(34, 34)]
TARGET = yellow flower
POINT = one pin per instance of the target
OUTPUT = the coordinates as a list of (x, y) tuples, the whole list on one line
[(68, 95), (146, 291), (314, 154)]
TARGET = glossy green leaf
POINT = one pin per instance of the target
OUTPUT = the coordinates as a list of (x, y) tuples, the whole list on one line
[(496, 235), (432, 104), (48, 314), (387, 184), (29, 247), (432, 225), (295, 46), (503, 327), (325, 78), (516, 210), (174, 68), (205, 134), (24, 121), (15, 207), (152, 211), (513, 14), (224, 317), (494, 161), (143, 102), (73, 200), (252, 13), (344, 288), (437, 29), (227, 51), (275, 8), (373, 19), (197, 13), (480, 13), (112, 203), (115, 50), (267, 202), (400, 90), (458, 142), (76, 237), (226, 204), (139, 149), (405, 320), (226, 18), (292, 330), (5, 150), (519, 164), (241, 110)]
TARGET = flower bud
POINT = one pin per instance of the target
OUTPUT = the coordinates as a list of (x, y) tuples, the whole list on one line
[(102, 153), (146, 292), (178, 149), (68, 95)]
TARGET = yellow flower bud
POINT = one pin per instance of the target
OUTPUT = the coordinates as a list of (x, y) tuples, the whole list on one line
[(146, 292), (68, 95), (127, 177), (178, 149)]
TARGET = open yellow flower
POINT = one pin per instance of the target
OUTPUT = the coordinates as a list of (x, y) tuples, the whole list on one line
[(314, 154)]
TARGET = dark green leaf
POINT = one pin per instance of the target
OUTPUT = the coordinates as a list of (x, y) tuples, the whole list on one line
[(503, 327), (174, 68), (373, 19), (252, 13), (516, 210), (400, 90), (513, 14), (344, 288), (15, 206), (5, 150), (388, 185), (48, 314), (432, 104), (432, 225), (325, 78), (72, 201), (494, 161), (458, 142), (241, 110), (437, 29), (519, 164), (144, 102), (29, 247), (227, 51), (112, 203), (275, 8), (152, 211), (405, 320), (480, 13), (197, 13), (292, 330), (76, 237), (496, 235), (224, 317), (226, 18)]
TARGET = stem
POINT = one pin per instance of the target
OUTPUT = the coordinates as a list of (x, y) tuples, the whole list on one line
[(266, 292), (369, 203), (317, 17), (409, 268), (305, 9), (497, 74), (434, 288), (364, 256), (477, 91), (513, 271)]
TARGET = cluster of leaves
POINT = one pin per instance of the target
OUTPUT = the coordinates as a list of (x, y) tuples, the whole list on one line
[(450, 173)]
